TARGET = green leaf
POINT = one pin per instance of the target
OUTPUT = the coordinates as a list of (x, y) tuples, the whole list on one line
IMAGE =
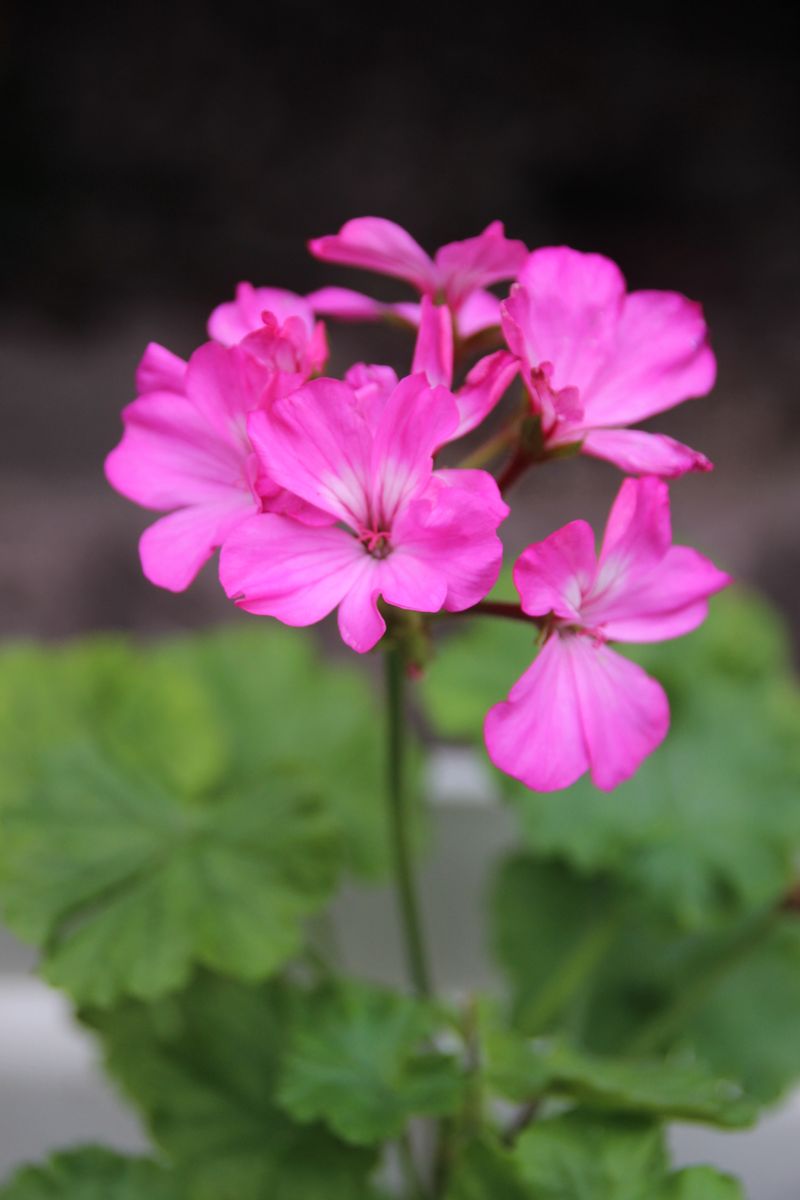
[(701, 1183), (188, 802), (734, 997), (357, 1060), (200, 713), (748, 1028), (550, 927), (487, 1171), (591, 962), (523, 1070), (202, 1067), (280, 703), (585, 1157), (709, 827), (126, 885), (93, 1173)]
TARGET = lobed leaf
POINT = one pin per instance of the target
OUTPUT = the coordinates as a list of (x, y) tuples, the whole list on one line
[(202, 1067), (126, 885), (190, 802), (581, 1156), (527, 1069), (93, 1173), (358, 1060), (488, 1171)]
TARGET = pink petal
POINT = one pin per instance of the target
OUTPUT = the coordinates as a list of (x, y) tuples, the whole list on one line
[(484, 387), (637, 536), (174, 549), (670, 600), (623, 712), (641, 453), (536, 735), (170, 455), (360, 623), (565, 312), (232, 321), (375, 244), (660, 356), (451, 530), (275, 499), (463, 267), (646, 589), (373, 385), (225, 384), (416, 421), (412, 580), (287, 354), (481, 486), (553, 575), (346, 305), (160, 371), (406, 311), (276, 567), (317, 443), (480, 310), (433, 352)]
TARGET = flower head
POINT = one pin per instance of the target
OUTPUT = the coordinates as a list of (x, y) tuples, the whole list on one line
[(581, 705), (596, 358), (362, 453)]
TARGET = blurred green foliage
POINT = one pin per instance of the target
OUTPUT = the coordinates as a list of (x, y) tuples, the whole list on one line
[(191, 801), (354, 1061), (172, 816)]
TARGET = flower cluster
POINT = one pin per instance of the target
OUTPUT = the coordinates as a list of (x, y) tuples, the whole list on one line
[(328, 494)]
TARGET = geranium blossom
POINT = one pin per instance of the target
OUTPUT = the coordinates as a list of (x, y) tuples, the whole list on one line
[(362, 452), (596, 359), (297, 345), (458, 274), (581, 705), (185, 450)]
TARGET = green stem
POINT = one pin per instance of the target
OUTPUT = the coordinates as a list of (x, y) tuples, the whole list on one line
[(398, 824), (652, 1036), (490, 449)]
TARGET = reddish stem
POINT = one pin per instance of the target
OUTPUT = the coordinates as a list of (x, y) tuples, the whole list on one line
[(499, 608), (516, 466)]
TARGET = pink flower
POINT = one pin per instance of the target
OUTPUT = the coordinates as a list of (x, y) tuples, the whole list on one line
[(596, 359), (581, 706), (485, 384), (362, 452), (186, 451), (297, 344), (458, 275)]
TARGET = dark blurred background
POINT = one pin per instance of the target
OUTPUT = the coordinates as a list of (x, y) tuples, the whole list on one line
[(155, 154)]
